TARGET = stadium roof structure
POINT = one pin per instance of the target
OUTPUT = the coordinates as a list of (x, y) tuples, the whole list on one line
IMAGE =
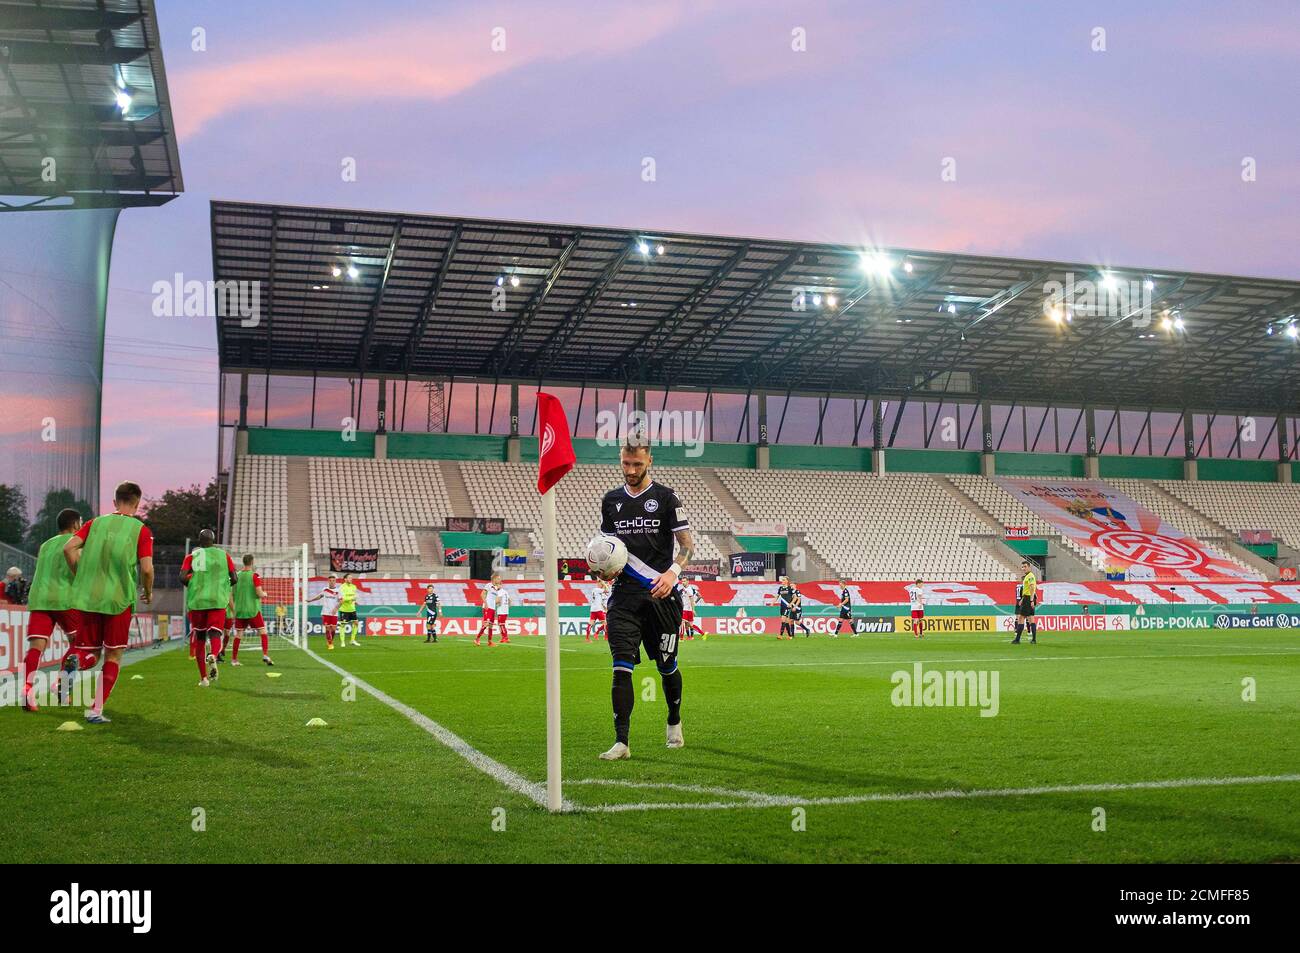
[(384, 294), (82, 83)]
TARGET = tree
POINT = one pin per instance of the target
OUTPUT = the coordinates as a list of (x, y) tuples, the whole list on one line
[(47, 520), (180, 514), (13, 514)]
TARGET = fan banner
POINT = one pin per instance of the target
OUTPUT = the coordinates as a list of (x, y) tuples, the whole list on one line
[(748, 564), (354, 560), (1123, 534), (701, 571), (573, 566), (1015, 532)]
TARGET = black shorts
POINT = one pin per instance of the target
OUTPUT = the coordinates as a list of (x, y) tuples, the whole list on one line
[(1025, 606), (430, 623), (636, 619), (347, 617), (797, 615), (846, 613)]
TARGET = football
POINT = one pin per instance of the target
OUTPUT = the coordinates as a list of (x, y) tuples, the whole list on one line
[(606, 555)]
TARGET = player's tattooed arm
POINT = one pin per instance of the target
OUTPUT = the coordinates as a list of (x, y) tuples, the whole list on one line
[(664, 583), (685, 548)]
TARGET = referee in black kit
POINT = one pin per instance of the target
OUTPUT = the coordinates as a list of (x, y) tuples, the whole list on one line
[(645, 603)]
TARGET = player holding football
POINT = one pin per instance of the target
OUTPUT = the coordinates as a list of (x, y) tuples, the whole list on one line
[(596, 619), (645, 607), (916, 595), (103, 555), (50, 603), (248, 609), (208, 575), (348, 611), (430, 615), (1026, 595)]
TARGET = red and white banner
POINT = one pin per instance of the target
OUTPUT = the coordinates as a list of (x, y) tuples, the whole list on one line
[(1120, 532), (1070, 623), (1016, 532), (737, 593), (13, 638)]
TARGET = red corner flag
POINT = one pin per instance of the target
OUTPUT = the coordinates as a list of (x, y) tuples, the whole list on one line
[(555, 458)]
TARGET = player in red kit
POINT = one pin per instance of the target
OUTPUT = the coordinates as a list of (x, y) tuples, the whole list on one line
[(208, 575), (248, 610), (103, 556), (50, 602)]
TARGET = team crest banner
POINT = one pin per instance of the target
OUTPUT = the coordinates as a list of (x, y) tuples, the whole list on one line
[(1121, 535)]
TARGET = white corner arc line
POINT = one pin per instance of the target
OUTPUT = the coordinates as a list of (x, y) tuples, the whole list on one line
[(754, 799), (492, 768)]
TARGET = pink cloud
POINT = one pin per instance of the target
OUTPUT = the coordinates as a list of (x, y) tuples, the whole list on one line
[(434, 58)]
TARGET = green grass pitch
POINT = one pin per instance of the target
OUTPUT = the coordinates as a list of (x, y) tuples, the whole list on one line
[(807, 720)]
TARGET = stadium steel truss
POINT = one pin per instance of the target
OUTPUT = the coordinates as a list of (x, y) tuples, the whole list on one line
[(392, 295), (85, 116)]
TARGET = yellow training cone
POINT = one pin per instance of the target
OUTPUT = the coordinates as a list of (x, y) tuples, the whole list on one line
[(274, 674), (69, 726), (314, 723)]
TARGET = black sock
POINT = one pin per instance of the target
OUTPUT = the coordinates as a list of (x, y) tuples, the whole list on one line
[(1020, 627), (623, 697), (1033, 630), (673, 696)]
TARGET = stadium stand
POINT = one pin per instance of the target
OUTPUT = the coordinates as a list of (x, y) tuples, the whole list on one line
[(509, 490), (894, 526), (260, 510), (375, 503), (1185, 517), (1238, 506), (1007, 510)]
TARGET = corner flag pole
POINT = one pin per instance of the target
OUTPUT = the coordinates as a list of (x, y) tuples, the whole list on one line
[(550, 575), (555, 458)]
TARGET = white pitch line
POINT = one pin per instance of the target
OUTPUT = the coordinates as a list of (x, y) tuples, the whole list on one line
[(536, 792), (754, 799), (489, 766)]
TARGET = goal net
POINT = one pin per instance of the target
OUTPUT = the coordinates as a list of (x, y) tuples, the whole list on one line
[(284, 575)]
